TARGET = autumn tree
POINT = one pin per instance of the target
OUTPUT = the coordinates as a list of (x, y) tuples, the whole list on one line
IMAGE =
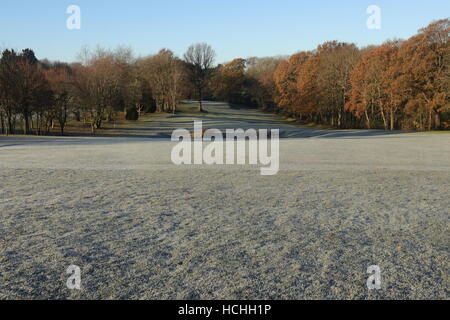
[(423, 62), (135, 91), (22, 84), (336, 63), (397, 85), (309, 91), (286, 77), (102, 83), (229, 81), (164, 73), (95, 90), (372, 96), (59, 77), (261, 86), (315, 85)]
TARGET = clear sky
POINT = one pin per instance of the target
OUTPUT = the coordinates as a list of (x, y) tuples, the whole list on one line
[(235, 28)]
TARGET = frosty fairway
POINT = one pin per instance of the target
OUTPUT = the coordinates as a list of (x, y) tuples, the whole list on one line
[(231, 151)]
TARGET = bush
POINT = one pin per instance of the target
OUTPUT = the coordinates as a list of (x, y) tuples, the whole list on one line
[(132, 114)]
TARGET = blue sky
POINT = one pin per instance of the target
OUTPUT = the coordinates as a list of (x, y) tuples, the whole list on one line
[(235, 28)]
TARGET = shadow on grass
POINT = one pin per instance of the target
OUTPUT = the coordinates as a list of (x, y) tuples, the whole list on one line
[(223, 116)]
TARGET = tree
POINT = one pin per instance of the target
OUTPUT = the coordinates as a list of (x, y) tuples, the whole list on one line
[(378, 87), (199, 60), (314, 85), (365, 87), (164, 74), (286, 77), (95, 90), (176, 76), (8, 91), (336, 63), (260, 81), (397, 85), (22, 86), (309, 91), (229, 81), (59, 78), (101, 84), (423, 63)]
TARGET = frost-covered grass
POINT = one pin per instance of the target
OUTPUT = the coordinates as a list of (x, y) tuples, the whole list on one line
[(175, 234), (142, 228)]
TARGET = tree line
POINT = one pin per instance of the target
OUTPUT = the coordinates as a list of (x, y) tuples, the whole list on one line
[(36, 96), (396, 85), (401, 84)]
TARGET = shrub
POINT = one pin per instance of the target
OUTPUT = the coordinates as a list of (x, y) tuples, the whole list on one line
[(132, 114)]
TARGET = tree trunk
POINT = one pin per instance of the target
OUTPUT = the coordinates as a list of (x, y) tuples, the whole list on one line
[(200, 97), (367, 119), (383, 117), (339, 118), (27, 124), (437, 120), (61, 126), (9, 128), (2, 122), (392, 119)]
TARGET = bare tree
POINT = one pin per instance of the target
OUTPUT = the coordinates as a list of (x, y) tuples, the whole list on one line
[(200, 60), (59, 78), (175, 78), (103, 82), (163, 72)]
